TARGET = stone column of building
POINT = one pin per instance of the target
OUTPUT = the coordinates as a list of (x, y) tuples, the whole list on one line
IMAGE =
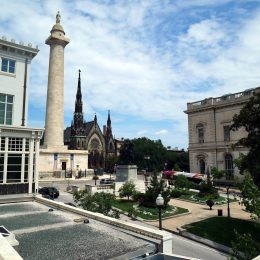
[(54, 120)]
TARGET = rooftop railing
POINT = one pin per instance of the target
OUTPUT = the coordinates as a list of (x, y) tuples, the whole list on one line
[(223, 99)]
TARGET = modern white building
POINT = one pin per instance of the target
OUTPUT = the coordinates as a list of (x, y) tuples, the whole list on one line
[(19, 145), (210, 139)]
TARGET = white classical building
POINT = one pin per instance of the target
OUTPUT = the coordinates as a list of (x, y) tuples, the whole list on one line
[(210, 139), (19, 145)]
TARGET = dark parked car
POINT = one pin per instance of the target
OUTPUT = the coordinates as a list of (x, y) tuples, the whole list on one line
[(106, 181), (51, 191)]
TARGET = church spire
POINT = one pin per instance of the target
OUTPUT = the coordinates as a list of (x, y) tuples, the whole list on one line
[(78, 102), (108, 128), (78, 120), (108, 119)]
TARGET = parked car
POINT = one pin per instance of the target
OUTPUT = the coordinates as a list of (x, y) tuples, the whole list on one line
[(51, 191), (106, 181)]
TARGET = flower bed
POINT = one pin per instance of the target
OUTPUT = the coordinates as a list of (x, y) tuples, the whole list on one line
[(146, 213), (194, 197)]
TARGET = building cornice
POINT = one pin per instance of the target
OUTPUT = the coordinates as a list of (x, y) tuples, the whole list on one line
[(12, 46)]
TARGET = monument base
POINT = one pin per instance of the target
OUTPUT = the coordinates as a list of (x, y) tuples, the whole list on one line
[(58, 162), (127, 173)]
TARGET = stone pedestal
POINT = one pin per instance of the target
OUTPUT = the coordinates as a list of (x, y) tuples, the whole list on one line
[(125, 173)]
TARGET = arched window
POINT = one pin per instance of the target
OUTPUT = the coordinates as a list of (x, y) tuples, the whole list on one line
[(111, 147), (229, 166), (200, 129), (202, 166)]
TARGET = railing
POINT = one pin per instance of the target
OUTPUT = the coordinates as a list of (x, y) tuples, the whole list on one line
[(225, 98)]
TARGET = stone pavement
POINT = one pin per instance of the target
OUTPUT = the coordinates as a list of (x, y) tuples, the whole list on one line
[(200, 212)]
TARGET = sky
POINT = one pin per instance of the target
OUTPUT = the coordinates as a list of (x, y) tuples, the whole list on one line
[(142, 60)]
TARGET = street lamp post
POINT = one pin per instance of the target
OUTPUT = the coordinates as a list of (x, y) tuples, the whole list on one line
[(228, 208), (160, 203)]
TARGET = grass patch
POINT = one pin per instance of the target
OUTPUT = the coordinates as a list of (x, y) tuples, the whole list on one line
[(221, 229), (147, 213)]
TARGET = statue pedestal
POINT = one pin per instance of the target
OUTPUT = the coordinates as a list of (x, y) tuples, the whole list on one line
[(127, 173)]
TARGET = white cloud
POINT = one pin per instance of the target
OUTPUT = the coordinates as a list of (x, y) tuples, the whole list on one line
[(162, 132), (133, 62), (141, 132)]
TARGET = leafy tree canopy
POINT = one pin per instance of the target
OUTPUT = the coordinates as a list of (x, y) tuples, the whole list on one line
[(127, 190), (156, 187), (249, 118), (151, 155), (99, 202), (250, 196)]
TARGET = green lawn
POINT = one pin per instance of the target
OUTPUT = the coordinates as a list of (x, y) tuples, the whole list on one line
[(193, 197), (221, 229), (147, 213)]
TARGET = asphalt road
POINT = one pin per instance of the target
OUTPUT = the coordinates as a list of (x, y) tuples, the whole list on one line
[(181, 245)]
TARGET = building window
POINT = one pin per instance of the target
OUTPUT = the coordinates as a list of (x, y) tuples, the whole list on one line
[(202, 166), (15, 144), (2, 147), (229, 166), (8, 65), (14, 168), (6, 109), (226, 133), (201, 135), (1, 167)]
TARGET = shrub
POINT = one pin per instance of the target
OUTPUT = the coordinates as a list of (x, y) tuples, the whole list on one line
[(156, 187), (182, 182), (207, 188), (132, 213), (210, 203), (138, 196), (127, 190), (175, 193)]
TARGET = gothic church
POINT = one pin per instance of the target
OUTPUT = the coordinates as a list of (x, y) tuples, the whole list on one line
[(83, 135)]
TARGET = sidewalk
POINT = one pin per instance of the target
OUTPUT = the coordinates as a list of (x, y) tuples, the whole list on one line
[(200, 212), (87, 178)]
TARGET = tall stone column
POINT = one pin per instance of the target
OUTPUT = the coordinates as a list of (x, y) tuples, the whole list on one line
[(54, 120)]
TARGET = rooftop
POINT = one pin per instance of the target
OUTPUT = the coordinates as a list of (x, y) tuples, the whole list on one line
[(20, 48), (44, 234), (228, 99)]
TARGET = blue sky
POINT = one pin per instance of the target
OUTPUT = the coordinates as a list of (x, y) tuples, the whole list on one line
[(143, 60)]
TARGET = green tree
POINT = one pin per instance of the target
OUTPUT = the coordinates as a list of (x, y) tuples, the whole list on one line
[(127, 190), (156, 187), (177, 167), (110, 163), (249, 119), (144, 148), (182, 182), (99, 202), (181, 159), (217, 174), (243, 247), (250, 196)]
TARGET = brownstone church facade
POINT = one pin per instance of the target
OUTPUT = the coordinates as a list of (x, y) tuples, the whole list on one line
[(82, 135)]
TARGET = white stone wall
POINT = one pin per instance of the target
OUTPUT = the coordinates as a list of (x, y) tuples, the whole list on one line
[(12, 84), (47, 164)]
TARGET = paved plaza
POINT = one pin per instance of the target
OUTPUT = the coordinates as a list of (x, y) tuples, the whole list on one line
[(200, 212)]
